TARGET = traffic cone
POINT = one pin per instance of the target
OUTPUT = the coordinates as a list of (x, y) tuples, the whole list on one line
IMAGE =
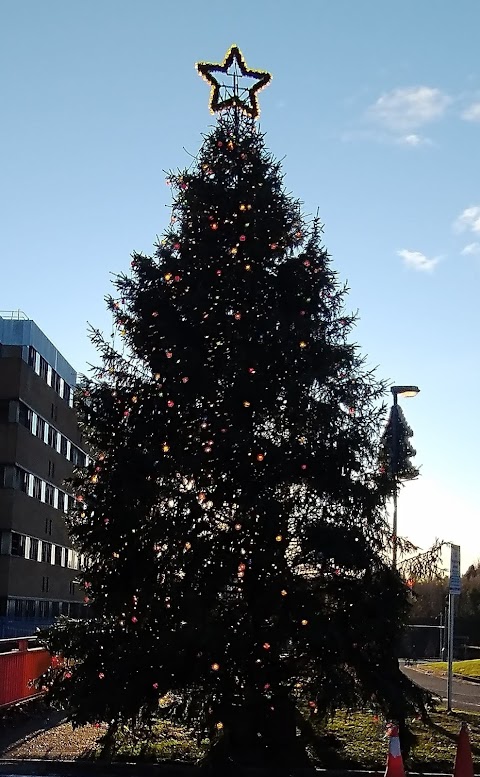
[(394, 758), (463, 759)]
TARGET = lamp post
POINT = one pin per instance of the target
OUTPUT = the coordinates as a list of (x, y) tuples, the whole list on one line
[(397, 391)]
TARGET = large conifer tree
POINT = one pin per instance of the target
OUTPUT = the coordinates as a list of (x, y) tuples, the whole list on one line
[(233, 513)]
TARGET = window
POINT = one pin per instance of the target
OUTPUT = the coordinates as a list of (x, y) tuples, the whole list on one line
[(67, 392), (37, 488), (22, 480), (44, 608), (32, 356), (55, 609), (58, 555), (30, 608), (43, 368), (33, 552), (52, 436), (49, 494), (19, 608), (57, 382), (45, 582), (64, 608), (78, 457), (40, 428), (18, 544), (25, 416), (63, 446), (47, 552)]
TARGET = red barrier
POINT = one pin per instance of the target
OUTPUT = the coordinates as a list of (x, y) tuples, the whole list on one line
[(18, 670)]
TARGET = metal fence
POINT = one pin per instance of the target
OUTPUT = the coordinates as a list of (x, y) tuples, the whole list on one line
[(21, 663)]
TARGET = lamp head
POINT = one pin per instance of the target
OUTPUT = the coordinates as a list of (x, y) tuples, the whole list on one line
[(404, 391)]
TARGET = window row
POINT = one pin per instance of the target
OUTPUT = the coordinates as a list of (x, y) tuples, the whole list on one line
[(24, 546), (42, 429), (43, 609), (49, 375), (32, 485)]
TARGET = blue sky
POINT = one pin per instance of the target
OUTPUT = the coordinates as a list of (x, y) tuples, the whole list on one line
[(375, 107)]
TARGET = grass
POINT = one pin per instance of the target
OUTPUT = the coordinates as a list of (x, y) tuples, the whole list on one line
[(349, 740), (359, 741), (467, 668), (165, 742)]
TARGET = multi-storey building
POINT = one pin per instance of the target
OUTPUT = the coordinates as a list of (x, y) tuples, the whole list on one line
[(40, 443)]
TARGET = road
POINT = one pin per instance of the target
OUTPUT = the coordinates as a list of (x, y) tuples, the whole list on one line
[(465, 695)]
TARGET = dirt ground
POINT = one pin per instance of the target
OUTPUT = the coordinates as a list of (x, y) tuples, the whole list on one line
[(42, 733)]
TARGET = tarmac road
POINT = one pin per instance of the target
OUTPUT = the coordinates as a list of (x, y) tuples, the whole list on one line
[(465, 695)]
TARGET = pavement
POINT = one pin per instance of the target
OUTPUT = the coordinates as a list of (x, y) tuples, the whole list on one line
[(465, 695)]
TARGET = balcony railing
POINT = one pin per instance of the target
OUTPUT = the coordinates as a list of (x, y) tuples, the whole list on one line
[(14, 315)]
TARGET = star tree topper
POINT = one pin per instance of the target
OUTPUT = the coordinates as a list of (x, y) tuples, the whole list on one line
[(234, 93)]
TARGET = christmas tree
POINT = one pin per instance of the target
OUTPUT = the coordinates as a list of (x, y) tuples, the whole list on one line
[(395, 447), (233, 513)]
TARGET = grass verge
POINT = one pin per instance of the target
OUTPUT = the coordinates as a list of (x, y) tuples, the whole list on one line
[(347, 741), (467, 668), (358, 741)]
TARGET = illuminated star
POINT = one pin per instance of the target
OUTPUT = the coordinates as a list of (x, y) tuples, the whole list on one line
[(235, 92)]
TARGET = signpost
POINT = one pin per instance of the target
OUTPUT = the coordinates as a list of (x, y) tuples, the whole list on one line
[(453, 590)]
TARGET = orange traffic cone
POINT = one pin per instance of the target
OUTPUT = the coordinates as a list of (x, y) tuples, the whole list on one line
[(463, 759), (394, 758)]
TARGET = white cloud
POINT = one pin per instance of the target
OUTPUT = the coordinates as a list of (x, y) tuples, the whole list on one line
[(469, 220), (418, 261), (413, 140), (407, 108), (472, 113), (472, 249)]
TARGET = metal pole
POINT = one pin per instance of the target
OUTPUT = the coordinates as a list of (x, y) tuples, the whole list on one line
[(451, 605), (394, 470), (441, 635), (395, 521)]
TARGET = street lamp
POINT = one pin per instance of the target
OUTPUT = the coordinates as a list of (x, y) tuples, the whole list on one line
[(404, 391), (397, 391)]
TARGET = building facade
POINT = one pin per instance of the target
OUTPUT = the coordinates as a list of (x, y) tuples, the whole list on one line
[(40, 443)]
